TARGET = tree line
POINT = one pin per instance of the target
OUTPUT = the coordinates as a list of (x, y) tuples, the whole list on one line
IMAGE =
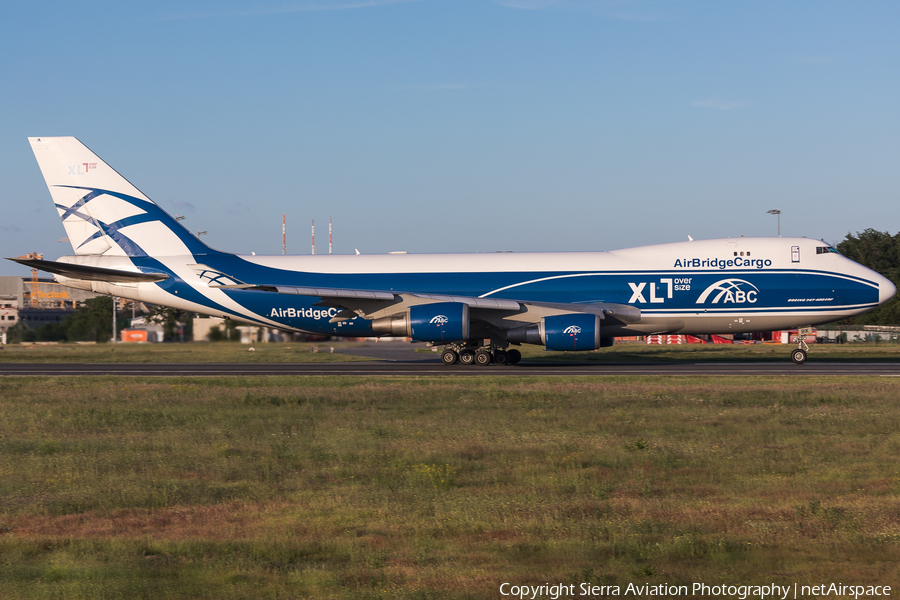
[(92, 322), (880, 251)]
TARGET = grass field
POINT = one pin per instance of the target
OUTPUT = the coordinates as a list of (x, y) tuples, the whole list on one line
[(442, 488), (194, 352), (219, 352)]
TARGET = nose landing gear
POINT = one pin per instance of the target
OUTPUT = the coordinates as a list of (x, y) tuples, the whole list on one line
[(799, 353)]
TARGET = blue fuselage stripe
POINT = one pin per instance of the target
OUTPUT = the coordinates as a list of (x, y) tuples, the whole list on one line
[(655, 292)]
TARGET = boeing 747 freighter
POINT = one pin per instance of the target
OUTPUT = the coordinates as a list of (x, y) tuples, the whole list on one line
[(473, 305)]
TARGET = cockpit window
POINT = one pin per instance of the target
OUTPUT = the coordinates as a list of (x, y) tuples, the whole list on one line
[(826, 250)]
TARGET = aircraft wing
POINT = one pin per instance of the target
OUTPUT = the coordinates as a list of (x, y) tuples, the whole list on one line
[(372, 304), (612, 310)]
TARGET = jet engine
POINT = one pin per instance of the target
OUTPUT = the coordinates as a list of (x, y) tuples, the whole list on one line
[(574, 332), (438, 322)]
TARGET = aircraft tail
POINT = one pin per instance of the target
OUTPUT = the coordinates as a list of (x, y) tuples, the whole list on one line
[(102, 212)]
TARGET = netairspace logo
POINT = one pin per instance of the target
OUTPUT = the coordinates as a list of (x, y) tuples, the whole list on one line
[(439, 320), (731, 291), (740, 592), (572, 330)]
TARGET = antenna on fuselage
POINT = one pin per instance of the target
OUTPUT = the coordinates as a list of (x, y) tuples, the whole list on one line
[(777, 213), (313, 236)]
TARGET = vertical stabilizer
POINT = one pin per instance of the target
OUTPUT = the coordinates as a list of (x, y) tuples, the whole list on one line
[(101, 211)]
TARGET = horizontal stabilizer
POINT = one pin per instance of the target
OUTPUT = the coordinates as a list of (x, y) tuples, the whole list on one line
[(89, 273)]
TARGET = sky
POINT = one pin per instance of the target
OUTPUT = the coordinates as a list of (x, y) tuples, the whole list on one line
[(461, 125)]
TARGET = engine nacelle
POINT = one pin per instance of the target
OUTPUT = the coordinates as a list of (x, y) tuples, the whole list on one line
[(438, 322), (574, 332)]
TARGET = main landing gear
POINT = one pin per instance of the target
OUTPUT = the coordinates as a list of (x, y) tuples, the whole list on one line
[(473, 355), (799, 353)]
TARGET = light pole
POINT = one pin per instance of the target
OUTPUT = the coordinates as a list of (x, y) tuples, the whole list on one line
[(776, 212)]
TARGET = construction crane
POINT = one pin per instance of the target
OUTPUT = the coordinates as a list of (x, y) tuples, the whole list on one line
[(34, 276)]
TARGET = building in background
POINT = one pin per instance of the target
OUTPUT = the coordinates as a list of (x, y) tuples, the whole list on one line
[(43, 294), (12, 293), (36, 303)]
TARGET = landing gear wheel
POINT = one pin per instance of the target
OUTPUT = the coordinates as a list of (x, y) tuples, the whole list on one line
[(449, 357), (483, 358), (513, 357), (798, 356), (466, 357), (501, 357)]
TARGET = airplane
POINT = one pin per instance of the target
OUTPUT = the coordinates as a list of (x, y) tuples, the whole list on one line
[(474, 305)]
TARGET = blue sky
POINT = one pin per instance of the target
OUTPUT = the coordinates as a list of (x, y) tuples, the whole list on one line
[(465, 125)]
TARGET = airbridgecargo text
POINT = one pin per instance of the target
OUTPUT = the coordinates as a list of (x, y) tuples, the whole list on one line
[(309, 313), (741, 592), (721, 263)]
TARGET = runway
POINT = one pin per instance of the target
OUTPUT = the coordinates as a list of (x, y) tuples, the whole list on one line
[(401, 359), (433, 368)]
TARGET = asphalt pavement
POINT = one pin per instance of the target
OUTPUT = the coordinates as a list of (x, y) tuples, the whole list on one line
[(435, 368)]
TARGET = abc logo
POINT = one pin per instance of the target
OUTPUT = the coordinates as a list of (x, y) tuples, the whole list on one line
[(730, 291)]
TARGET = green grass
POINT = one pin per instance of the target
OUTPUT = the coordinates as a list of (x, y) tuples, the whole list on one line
[(194, 352), (287, 487), (224, 352)]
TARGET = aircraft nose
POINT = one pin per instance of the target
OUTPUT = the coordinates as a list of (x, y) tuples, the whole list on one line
[(886, 290)]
